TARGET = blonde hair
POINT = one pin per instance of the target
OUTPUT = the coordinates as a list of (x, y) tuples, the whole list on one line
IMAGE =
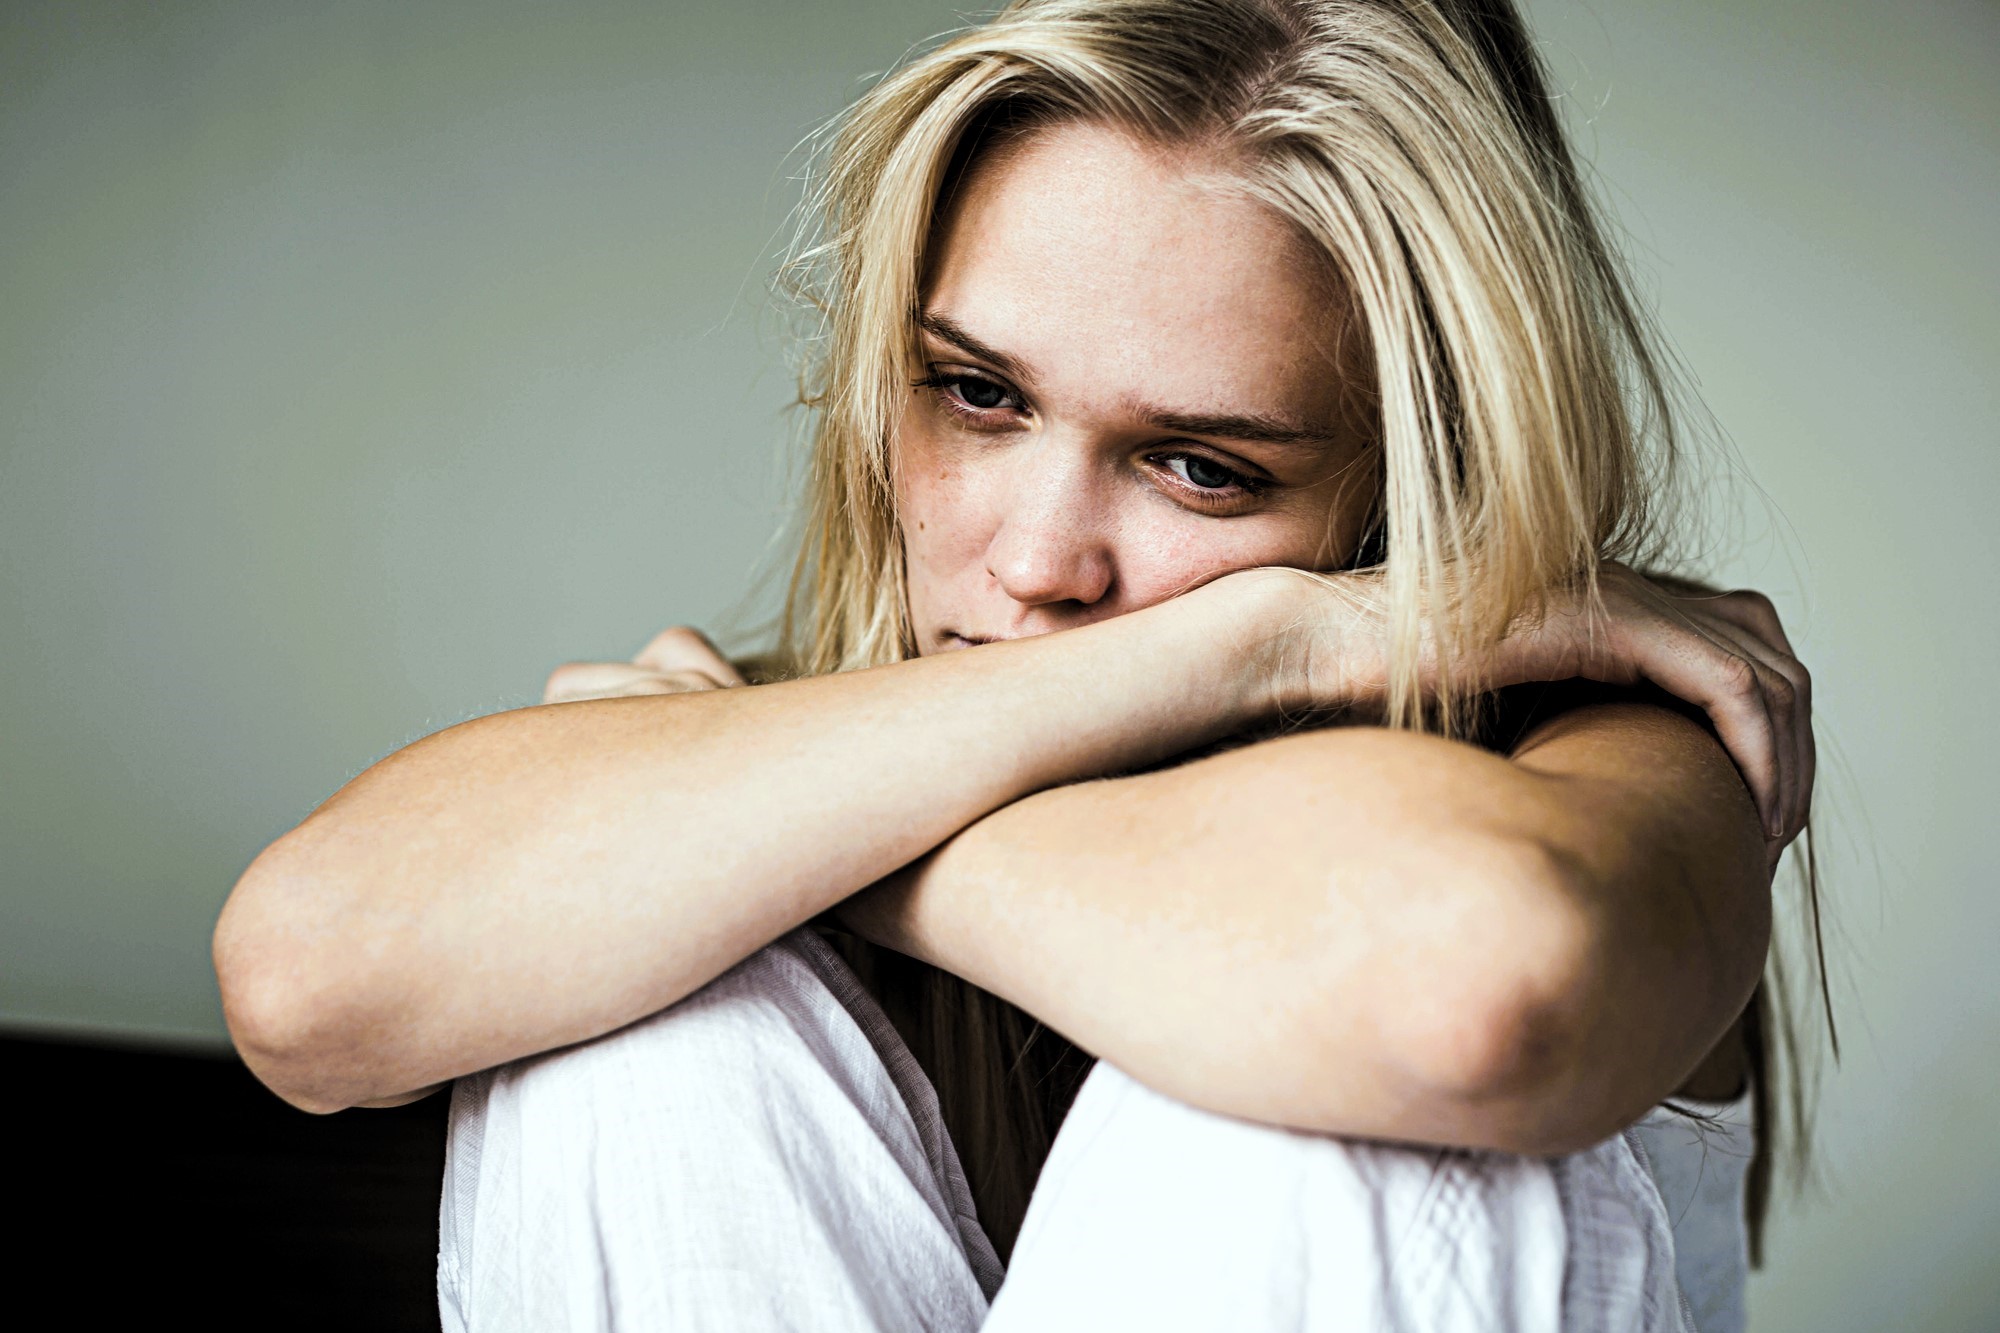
[(1525, 413)]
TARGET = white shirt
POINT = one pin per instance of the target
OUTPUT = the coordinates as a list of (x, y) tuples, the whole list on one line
[(1700, 1169)]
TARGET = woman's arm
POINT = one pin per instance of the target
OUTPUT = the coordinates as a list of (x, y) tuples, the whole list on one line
[(1375, 933), (539, 877)]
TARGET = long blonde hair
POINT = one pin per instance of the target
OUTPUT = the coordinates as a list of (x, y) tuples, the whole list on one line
[(1526, 414)]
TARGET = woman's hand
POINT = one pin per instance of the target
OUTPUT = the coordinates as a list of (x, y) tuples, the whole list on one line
[(677, 661), (1724, 652)]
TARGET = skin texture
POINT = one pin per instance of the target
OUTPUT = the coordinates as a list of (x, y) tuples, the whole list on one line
[(1351, 930), (1042, 489)]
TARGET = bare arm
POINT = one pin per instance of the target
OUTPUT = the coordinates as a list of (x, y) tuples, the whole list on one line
[(1375, 933), (539, 877)]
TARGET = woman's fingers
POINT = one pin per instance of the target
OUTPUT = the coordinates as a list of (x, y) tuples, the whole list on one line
[(1754, 612), (680, 660), (613, 680), (685, 648), (1658, 635), (1725, 652), (1808, 753), (1751, 619), (1748, 609), (1727, 685)]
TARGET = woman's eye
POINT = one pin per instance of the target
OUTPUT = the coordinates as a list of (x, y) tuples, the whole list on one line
[(982, 394), (1217, 486), (1206, 474), (968, 394)]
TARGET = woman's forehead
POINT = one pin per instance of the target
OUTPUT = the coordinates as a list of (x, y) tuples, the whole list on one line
[(1090, 259)]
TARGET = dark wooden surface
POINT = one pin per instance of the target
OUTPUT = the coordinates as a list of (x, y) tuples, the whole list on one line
[(152, 1185)]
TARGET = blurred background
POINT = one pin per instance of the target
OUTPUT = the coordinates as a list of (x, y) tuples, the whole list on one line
[(360, 363)]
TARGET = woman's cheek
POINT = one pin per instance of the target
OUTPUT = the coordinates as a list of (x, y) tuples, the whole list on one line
[(944, 529), (1171, 555), (939, 509)]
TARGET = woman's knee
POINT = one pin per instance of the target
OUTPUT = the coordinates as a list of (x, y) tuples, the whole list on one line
[(1286, 1229), (752, 1128), (709, 1069), (1128, 1137)]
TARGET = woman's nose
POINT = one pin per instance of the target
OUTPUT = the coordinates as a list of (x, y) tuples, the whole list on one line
[(1050, 544)]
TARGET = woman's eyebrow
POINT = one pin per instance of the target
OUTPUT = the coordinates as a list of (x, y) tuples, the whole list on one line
[(945, 328), (1254, 428)]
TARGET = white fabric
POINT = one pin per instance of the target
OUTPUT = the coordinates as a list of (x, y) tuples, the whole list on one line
[(1699, 1166), (1152, 1214), (767, 1155)]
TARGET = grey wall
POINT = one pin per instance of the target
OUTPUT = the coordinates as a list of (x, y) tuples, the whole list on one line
[(1816, 188), (360, 363), (356, 367)]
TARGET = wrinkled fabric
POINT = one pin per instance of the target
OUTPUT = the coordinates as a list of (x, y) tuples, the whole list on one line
[(1152, 1214), (767, 1154), (1700, 1164)]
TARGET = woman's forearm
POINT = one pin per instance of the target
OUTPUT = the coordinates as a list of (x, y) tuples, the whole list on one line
[(539, 877), (1368, 932)]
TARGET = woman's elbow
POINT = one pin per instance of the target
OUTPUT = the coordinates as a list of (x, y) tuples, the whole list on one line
[(288, 1013), (1507, 1042)]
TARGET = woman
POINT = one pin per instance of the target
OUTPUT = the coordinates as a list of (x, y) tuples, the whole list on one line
[(1190, 371)]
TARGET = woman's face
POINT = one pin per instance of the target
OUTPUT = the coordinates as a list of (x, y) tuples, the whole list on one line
[(1135, 384)]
